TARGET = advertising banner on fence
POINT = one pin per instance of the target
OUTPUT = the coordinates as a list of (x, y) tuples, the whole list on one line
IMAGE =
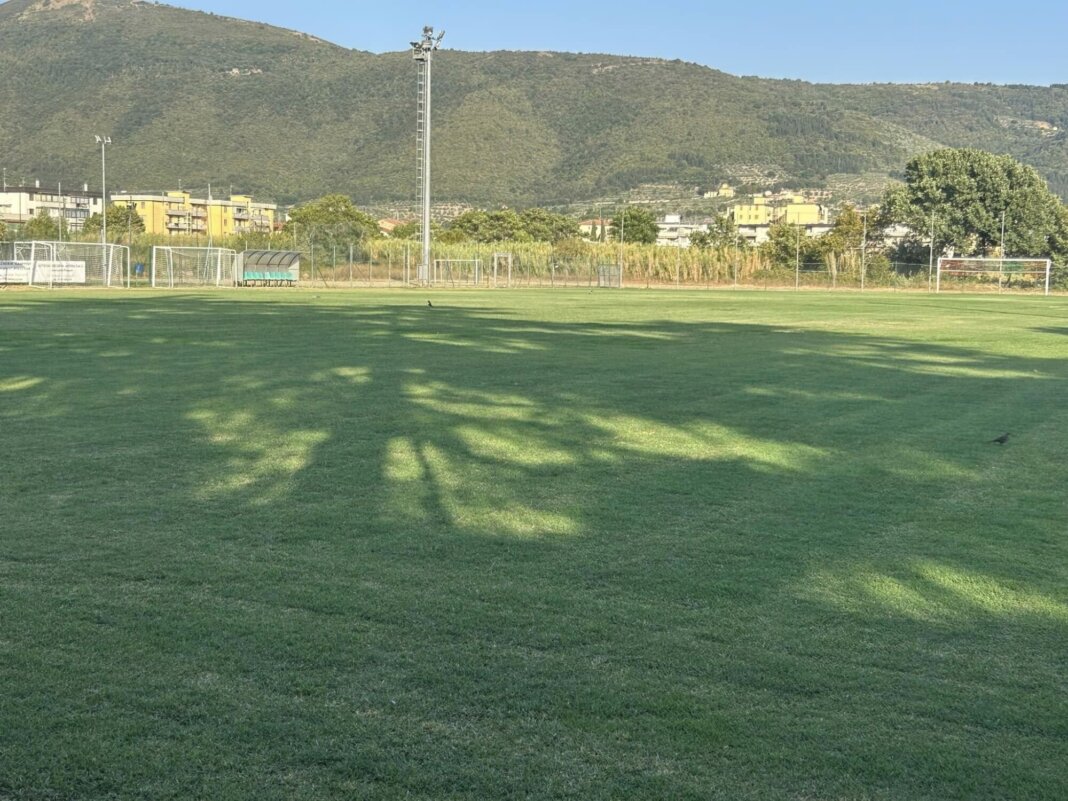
[(14, 272), (60, 272)]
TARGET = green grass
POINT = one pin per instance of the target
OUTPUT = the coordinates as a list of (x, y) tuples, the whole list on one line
[(287, 545)]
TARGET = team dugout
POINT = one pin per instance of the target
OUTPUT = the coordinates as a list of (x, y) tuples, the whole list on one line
[(269, 268)]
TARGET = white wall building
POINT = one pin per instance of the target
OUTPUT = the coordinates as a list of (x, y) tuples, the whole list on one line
[(675, 233), (19, 204)]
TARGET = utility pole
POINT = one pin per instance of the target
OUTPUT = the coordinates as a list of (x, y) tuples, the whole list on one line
[(423, 53)]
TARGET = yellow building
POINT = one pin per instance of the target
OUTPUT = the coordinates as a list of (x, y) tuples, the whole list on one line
[(180, 214), (761, 212), (756, 213), (800, 213)]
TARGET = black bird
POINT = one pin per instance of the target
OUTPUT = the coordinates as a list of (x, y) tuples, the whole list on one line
[(1002, 439), (431, 305)]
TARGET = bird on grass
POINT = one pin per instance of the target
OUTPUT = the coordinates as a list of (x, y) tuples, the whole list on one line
[(431, 305), (1002, 439)]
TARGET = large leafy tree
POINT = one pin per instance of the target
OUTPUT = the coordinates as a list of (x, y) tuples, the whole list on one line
[(635, 225), (787, 244), (42, 226), (847, 234), (123, 221), (332, 218), (547, 226), (3, 232), (489, 226), (531, 225), (721, 233), (966, 192)]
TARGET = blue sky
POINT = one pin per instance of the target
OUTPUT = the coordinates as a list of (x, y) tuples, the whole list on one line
[(861, 41)]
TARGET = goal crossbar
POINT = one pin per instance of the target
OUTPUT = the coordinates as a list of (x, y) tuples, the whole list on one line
[(990, 267), (193, 266)]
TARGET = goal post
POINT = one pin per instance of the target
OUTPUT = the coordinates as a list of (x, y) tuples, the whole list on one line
[(610, 276), (191, 266), (987, 273), (502, 269), (50, 264), (457, 272)]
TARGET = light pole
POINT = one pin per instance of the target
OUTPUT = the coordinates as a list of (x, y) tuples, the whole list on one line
[(797, 262), (104, 141), (930, 266), (864, 251), (1001, 264), (423, 53)]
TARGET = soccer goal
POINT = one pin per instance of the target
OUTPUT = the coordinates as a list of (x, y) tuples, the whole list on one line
[(188, 266), (610, 276), (502, 269), (49, 264), (457, 272), (1015, 275)]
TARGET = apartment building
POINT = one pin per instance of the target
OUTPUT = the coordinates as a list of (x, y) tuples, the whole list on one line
[(19, 204), (178, 213)]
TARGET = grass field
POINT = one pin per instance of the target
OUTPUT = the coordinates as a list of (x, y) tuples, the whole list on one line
[(289, 545)]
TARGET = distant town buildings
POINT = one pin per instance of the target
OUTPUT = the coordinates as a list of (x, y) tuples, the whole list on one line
[(19, 204), (180, 214), (673, 232), (754, 219), (595, 229), (724, 190)]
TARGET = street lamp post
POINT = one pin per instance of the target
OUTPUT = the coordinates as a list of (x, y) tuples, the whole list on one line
[(104, 141)]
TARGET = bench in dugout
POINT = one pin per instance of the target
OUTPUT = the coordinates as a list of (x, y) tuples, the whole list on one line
[(255, 278)]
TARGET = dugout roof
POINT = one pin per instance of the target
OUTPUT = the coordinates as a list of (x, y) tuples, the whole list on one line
[(271, 259)]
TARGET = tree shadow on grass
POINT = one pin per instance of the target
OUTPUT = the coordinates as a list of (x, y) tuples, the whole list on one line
[(334, 548)]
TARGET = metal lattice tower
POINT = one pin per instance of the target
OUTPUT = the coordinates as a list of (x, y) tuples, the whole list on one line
[(423, 53)]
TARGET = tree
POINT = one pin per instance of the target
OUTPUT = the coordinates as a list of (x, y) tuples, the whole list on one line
[(3, 232), (43, 227), (787, 244), (333, 218), (407, 230), (123, 221), (636, 225), (547, 226), (722, 233), (847, 234), (503, 225), (967, 191)]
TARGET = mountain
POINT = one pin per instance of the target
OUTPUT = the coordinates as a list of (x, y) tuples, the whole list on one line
[(199, 98)]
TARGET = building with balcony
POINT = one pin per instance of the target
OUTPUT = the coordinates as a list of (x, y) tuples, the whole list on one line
[(19, 204), (180, 214), (791, 209)]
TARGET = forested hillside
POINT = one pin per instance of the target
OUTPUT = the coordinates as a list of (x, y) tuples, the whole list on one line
[(198, 98)]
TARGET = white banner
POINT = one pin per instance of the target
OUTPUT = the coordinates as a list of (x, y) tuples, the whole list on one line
[(59, 272), (14, 272)]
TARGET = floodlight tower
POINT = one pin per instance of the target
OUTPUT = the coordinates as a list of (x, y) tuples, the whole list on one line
[(104, 141), (423, 53)]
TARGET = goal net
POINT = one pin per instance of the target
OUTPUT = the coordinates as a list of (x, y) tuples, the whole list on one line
[(1013, 275), (54, 264), (188, 266), (610, 276), (457, 272)]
